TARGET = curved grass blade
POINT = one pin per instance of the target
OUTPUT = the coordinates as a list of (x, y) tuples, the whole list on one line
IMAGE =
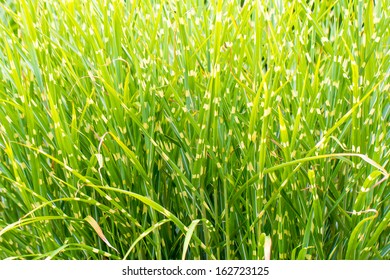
[(354, 239), (99, 231), (144, 234), (187, 239)]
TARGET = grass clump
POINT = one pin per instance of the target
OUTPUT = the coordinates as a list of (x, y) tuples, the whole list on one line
[(194, 129)]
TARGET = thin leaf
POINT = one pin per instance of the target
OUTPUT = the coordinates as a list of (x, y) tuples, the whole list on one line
[(99, 231)]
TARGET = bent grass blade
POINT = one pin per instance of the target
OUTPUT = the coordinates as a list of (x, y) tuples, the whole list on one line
[(99, 231)]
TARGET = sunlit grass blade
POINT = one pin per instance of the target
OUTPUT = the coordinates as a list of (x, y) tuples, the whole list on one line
[(99, 231)]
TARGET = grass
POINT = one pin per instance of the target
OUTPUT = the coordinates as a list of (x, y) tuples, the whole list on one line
[(195, 129)]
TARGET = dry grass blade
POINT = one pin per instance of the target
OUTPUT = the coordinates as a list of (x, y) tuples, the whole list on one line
[(99, 231)]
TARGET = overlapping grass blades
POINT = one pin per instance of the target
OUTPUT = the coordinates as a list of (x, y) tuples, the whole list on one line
[(194, 129)]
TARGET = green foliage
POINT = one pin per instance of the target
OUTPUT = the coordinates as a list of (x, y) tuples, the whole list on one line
[(194, 129)]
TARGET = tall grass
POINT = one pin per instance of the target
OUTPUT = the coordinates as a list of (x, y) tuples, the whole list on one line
[(194, 129)]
